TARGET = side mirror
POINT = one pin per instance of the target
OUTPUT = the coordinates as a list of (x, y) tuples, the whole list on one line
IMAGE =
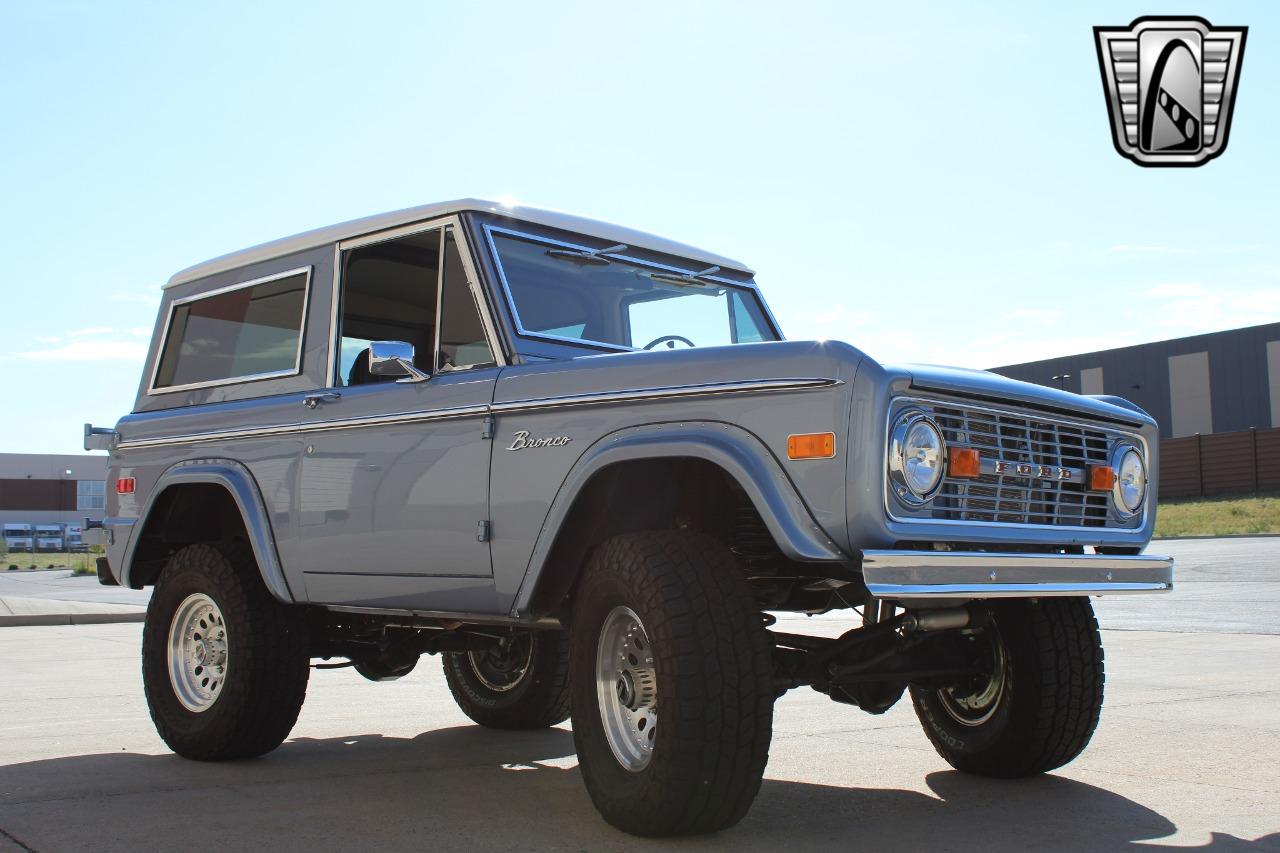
[(394, 358)]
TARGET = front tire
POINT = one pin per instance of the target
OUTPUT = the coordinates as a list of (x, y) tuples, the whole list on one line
[(672, 684), (224, 664), (523, 683), (1036, 706)]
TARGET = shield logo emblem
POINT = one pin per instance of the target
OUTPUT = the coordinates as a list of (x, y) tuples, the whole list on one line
[(1170, 85)]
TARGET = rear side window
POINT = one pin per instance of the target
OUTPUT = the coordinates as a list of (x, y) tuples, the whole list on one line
[(250, 331)]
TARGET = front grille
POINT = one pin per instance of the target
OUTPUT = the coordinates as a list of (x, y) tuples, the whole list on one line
[(1016, 437)]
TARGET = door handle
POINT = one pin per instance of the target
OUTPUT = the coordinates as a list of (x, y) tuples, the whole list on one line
[(313, 400)]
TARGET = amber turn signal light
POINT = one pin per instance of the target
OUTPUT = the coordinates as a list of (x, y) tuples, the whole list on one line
[(814, 445), (964, 462), (1102, 478)]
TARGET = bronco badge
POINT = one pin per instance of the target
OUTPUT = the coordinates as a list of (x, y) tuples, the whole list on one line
[(522, 441), (1170, 85)]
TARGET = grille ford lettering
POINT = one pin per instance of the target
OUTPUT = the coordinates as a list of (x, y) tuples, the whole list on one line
[(523, 441), (1037, 472)]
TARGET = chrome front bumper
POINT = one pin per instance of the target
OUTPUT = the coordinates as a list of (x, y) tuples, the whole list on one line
[(964, 574)]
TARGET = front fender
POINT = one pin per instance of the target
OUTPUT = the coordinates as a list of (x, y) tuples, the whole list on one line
[(739, 453), (239, 482)]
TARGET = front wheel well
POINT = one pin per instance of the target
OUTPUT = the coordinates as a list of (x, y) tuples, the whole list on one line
[(184, 514), (656, 494)]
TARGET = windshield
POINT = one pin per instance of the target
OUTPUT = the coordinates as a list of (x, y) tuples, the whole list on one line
[(598, 296)]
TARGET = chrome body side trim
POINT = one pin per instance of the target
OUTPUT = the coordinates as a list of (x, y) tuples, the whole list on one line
[(490, 230), (152, 390), (600, 398), (298, 427), (666, 393), (923, 575)]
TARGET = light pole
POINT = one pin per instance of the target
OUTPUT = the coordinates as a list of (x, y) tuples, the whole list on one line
[(1061, 379)]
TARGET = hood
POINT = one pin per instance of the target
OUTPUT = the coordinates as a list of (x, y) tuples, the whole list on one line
[(993, 386)]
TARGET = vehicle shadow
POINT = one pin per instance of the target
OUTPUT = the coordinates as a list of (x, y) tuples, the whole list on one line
[(475, 789)]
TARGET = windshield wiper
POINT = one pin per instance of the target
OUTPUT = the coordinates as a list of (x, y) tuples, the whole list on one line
[(587, 256), (688, 279)]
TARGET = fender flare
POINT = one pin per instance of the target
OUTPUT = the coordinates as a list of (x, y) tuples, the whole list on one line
[(239, 482), (735, 450)]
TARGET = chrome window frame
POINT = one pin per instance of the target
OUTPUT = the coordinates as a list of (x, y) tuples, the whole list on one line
[(1120, 435), (152, 390), (490, 230), (442, 223)]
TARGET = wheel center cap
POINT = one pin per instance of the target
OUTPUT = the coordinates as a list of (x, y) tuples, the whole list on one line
[(627, 689), (202, 652)]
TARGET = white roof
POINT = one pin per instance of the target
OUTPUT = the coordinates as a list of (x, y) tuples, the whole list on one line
[(383, 221)]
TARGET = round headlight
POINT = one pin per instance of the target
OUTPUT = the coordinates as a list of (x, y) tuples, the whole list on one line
[(1131, 481), (916, 458)]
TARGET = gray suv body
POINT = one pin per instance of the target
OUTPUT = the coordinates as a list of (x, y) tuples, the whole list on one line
[(583, 464)]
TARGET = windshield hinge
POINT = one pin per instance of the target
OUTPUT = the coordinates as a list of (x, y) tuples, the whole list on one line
[(488, 427), (484, 531)]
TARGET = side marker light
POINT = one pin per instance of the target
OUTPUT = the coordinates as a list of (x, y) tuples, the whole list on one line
[(814, 445)]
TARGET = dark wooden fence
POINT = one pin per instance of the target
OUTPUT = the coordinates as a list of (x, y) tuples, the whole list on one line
[(1221, 463)]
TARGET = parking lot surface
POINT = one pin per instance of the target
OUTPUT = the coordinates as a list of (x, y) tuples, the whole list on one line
[(1187, 754)]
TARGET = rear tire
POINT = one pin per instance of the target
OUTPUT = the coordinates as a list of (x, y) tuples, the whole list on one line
[(672, 684), (522, 685), (224, 664), (1041, 708)]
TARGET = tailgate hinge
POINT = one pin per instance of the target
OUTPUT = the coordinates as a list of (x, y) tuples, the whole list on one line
[(484, 530), (488, 427)]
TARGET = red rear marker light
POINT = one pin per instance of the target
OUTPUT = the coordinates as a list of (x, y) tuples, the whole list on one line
[(964, 462), (125, 486), (817, 445), (1102, 478)]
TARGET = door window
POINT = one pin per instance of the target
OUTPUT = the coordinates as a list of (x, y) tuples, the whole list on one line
[(412, 289), (388, 294), (462, 339)]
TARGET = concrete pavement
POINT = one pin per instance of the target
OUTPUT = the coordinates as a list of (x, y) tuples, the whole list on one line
[(1186, 755), (60, 598)]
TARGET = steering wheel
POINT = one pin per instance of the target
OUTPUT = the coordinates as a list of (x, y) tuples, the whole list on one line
[(670, 339)]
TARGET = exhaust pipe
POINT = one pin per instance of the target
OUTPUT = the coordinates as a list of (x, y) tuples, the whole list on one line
[(936, 620)]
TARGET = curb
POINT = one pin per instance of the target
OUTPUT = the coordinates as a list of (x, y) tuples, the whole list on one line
[(44, 619)]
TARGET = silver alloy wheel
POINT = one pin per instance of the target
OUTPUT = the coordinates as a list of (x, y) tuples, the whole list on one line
[(503, 668), (979, 706), (197, 652), (627, 688)]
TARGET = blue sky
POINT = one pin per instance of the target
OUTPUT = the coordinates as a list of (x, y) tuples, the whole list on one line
[(935, 184)]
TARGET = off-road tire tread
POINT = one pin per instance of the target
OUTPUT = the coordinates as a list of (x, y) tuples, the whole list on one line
[(540, 705), (1061, 704), (701, 611), (255, 714)]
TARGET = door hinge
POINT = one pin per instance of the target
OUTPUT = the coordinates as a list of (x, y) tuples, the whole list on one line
[(484, 530), (488, 427)]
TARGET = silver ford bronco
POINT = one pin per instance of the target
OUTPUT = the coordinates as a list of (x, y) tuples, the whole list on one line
[(582, 464)]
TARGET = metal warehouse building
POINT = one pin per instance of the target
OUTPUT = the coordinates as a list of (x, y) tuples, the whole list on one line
[(51, 489), (1215, 396), (1220, 382)]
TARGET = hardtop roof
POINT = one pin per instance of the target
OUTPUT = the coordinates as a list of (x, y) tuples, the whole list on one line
[(372, 224)]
